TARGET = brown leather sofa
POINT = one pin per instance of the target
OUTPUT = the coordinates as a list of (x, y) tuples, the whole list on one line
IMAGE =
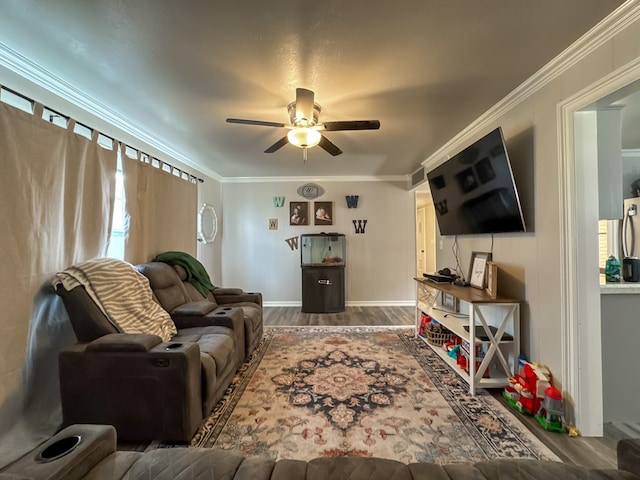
[(91, 455), (149, 389), (185, 303)]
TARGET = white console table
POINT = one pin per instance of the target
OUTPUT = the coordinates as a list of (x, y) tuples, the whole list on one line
[(492, 323)]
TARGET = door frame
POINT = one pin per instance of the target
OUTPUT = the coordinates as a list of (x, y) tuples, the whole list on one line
[(580, 286)]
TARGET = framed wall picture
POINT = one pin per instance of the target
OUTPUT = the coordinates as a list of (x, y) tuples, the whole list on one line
[(492, 279), (449, 302), (323, 213), (477, 269), (298, 213)]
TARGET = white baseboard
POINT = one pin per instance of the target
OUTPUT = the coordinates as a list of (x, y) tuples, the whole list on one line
[(366, 303)]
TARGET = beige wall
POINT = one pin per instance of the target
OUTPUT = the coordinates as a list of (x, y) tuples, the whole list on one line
[(210, 254), (380, 262), (530, 263)]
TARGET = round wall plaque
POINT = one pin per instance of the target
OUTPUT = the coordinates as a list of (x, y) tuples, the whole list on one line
[(310, 191)]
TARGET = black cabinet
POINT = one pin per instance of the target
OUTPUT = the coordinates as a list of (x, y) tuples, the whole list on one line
[(323, 289), (322, 258)]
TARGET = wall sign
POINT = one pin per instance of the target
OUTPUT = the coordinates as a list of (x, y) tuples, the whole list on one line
[(310, 191)]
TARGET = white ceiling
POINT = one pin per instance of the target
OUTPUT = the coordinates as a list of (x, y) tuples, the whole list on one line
[(424, 68)]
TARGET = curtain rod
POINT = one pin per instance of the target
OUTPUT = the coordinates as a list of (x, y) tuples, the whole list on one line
[(53, 114)]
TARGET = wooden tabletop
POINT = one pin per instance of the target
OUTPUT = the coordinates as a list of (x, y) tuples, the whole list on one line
[(468, 294)]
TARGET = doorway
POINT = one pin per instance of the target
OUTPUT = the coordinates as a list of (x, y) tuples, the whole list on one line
[(425, 233), (584, 334)]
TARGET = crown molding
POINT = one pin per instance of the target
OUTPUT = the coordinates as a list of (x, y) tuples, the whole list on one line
[(625, 15), (34, 73), (363, 178)]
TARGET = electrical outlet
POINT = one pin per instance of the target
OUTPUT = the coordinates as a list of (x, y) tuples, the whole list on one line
[(441, 244)]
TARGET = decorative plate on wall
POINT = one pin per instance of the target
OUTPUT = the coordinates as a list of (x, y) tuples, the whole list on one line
[(310, 191)]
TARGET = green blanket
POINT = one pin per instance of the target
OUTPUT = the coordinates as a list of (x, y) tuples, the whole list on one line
[(196, 273)]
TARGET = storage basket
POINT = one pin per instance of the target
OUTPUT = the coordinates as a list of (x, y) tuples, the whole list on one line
[(439, 336)]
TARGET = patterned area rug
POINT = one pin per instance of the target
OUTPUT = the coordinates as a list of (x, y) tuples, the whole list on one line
[(361, 391)]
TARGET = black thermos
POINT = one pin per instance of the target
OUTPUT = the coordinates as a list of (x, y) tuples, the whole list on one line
[(631, 269)]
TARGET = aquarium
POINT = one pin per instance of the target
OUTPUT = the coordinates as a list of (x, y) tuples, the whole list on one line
[(327, 249)]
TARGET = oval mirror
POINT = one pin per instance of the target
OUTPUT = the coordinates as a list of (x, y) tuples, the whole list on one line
[(207, 224)]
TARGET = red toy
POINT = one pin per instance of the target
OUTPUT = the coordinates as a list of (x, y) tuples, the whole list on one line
[(526, 389)]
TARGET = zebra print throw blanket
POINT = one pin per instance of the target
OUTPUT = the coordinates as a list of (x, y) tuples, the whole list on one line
[(122, 293)]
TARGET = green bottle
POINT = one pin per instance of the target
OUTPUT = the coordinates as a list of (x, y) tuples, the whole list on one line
[(612, 270)]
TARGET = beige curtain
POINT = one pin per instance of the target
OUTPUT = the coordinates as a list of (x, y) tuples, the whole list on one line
[(56, 205), (161, 212)]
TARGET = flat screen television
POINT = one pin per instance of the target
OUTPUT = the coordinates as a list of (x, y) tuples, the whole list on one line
[(474, 191)]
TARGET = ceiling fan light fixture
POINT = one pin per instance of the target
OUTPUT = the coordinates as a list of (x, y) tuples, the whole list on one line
[(304, 137)]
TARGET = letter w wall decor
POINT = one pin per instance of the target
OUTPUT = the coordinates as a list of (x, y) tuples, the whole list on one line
[(352, 201), (278, 201), (359, 225), (292, 242)]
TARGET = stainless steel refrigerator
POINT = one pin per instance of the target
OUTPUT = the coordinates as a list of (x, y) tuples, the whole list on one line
[(630, 237)]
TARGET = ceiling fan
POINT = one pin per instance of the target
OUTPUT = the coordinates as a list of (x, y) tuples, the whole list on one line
[(304, 130)]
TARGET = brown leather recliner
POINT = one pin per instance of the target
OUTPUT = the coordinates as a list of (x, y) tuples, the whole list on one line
[(146, 388), (184, 302)]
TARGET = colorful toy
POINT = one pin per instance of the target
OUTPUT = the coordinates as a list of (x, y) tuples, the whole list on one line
[(530, 392), (454, 352), (550, 413)]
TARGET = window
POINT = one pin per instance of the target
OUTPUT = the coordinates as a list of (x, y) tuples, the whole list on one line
[(116, 242)]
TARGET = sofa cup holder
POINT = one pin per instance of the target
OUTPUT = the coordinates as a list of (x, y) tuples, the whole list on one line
[(59, 449), (173, 346)]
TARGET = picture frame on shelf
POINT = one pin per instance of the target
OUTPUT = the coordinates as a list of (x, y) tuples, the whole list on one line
[(492, 279), (477, 269), (449, 302)]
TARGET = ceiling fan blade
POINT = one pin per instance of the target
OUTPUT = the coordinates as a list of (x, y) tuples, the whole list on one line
[(304, 104), (254, 122), (326, 144), (352, 125), (277, 146)]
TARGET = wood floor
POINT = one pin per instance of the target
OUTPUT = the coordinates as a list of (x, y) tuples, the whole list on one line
[(353, 316), (589, 452)]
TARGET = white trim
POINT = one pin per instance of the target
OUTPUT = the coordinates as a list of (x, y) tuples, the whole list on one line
[(625, 14), (366, 303), (383, 303), (609, 27), (361, 178), (582, 383), (631, 152), (33, 72), (282, 304)]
